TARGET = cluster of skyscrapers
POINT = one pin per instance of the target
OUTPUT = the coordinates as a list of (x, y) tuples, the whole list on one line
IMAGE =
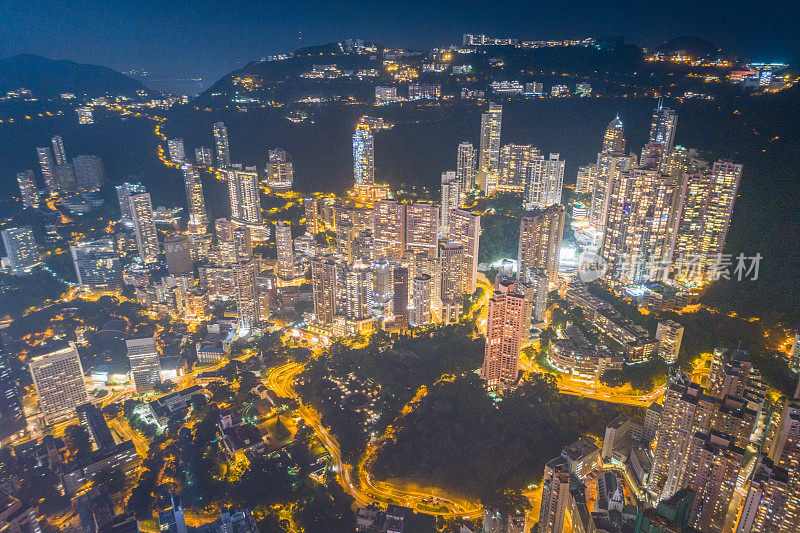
[(652, 215)]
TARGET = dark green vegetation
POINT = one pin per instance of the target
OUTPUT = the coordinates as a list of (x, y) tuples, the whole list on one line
[(392, 369), (505, 444), (19, 293), (499, 227), (46, 78), (187, 459)]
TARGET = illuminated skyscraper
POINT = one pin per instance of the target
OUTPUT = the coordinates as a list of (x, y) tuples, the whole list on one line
[(419, 312), (221, 143), (712, 471), (21, 249), (145, 363), (540, 237), (514, 161), (609, 165), (244, 196), (389, 219), (465, 229), (555, 496), (283, 240), (48, 168), (687, 410), (358, 288), (451, 268), (311, 210), (489, 155), (177, 154), (639, 227), (97, 264), (705, 216), (544, 181), (244, 280), (58, 150), (451, 199), (422, 228), (585, 180), (765, 508), (507, 324), (145, 227), (28, 193), (614, 137), (669, 335), (662, 126), (124, 192), (400, 299), (203, 157), (198, 219), (58, 379), (465, 166), (280, 174), (323, 284), (363, 156)]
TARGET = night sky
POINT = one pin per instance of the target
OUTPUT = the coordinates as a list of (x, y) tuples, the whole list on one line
[(202, 38)]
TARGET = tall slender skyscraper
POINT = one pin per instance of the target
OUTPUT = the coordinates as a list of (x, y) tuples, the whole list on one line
[(244, 278), (465, 166), (144, 225), (283, 240), (311, 211), (244, 196), (514, 161), (585, 179), (389, 221), (48, 168), (124, 193), (712, 471), (614, 137), (489, 155), (451, 267), (419, 312), (145, 363), (58, 150), (705, 215), (222, 146), (609, 165), (358, 289), (451, 199), (363, 156), (507, 325), (422, 228), (28, 193), (400, 298), (687, 410), (21, 249), (58, 379), (662, 126), (544, 181), (540, 237), (198, 219), (323, 284), (465, 229), (555, 496), (280, 174), (639, 226)]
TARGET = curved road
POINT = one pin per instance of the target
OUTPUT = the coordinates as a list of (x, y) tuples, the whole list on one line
[(363, 488)]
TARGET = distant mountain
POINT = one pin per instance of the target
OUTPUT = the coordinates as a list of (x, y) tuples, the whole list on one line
[(694, 46), (47, 78)]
